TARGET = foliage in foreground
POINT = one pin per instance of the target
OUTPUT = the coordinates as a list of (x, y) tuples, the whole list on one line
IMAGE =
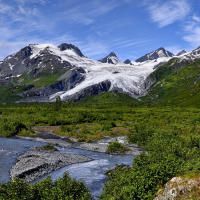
[(169, 154), (63, 189)]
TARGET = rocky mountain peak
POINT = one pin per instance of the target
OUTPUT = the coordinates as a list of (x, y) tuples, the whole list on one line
[(181, 53), (112, 54), (65, 46), (25, 52), (111, 59), (127, 61), (159, 53)]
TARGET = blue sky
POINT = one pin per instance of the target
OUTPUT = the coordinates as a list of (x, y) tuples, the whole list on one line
[(130, 28)]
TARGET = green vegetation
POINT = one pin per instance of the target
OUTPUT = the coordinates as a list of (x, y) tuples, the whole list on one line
[(47, 147), (63, 189), (42, 79), (170, 153), (116, 147), (166, 123), (176, 85), (9, 93), (169, 135)]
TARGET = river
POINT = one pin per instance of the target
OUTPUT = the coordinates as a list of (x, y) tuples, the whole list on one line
[(92, 173)]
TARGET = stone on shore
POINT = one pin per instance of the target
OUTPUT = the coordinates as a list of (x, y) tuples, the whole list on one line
[(34, 164)]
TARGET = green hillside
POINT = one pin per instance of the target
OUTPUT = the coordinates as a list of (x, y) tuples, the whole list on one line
[(175, 85)]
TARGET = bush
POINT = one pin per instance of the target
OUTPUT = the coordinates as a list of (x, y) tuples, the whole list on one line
[(47, 147), (116, 147), (63, 189)]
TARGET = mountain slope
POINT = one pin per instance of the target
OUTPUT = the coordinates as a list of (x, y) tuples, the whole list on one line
[(176, 83)]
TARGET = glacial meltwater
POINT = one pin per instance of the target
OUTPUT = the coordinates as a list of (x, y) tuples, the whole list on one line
[(92, 173)]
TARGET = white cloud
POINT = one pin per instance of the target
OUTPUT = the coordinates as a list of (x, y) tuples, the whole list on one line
[(4, 8), (86, 12), (193, 37), (196, 18), (168, 12), (192, 31)]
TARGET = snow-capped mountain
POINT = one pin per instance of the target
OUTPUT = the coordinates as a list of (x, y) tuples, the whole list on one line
[(190, 56), (159, 53), (111, 59), (181, 53), (37, 59), (80, 76), (127, 61)]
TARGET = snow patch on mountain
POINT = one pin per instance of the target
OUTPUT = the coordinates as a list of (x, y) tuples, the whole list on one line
[(192, 55), (128, 78)]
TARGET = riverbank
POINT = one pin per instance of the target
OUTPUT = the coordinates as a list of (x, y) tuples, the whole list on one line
[(36, 163), (97, 146), (92, 173)]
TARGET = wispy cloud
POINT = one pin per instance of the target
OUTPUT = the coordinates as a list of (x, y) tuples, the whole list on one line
[(87, 11), (124, 43), (167, 12), (196, 18), (29, 21), (192, 31)]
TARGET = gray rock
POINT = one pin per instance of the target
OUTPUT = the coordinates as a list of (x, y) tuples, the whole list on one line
[(32, 165), (181, 53), (111, 59), (91, 90), (127, 61), (101, 145), (161, 52), (65, 46), (71, 79), (178, 188)]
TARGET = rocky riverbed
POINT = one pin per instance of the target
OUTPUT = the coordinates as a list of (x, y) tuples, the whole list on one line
[(91, 172), (34, 164), (97, 146)]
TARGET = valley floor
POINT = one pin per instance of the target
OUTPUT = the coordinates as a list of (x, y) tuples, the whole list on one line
[(170, 135)]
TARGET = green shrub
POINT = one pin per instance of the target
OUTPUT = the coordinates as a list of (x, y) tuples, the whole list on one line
[(116, 147), (47, 147), (63, 189)]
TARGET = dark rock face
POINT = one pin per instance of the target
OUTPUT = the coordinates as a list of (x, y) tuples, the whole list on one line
[(22, 62), (161, 52), (65, 46), (16, 63), (70, 79), (91, 90), (127, 61), (111, 59), (181, 53)]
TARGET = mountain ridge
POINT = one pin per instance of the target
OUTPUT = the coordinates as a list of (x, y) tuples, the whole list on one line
[(45, 72), (160, 52)]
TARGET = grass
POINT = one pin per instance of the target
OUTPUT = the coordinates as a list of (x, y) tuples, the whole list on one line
[(43, 79)]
